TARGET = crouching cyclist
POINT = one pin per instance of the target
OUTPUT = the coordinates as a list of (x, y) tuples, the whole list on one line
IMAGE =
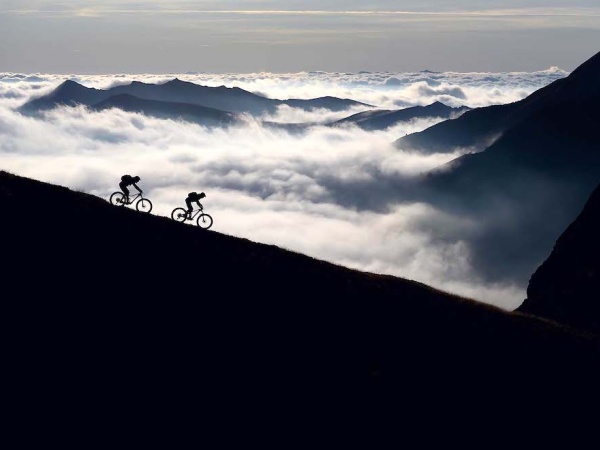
[(193, 197), (128, 180)]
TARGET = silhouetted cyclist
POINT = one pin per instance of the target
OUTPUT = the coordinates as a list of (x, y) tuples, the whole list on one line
[(128, 180), (193, 197)]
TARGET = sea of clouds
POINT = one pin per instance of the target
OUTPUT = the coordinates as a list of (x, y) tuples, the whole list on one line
[(331, 193)]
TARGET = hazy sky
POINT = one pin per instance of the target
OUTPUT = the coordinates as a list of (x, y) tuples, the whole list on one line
[(158, 36)]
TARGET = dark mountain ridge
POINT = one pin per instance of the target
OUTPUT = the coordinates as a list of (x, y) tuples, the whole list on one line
[(479, 128), (192, 112), (169, 110), (378, 119), (144, 320), (382, 119), (232, 100)]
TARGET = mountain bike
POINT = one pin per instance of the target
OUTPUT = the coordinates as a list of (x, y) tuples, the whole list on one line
[(203, 220), (141, 204)]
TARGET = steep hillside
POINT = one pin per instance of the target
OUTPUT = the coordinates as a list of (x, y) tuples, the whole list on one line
[(137, 317), (566, 287)]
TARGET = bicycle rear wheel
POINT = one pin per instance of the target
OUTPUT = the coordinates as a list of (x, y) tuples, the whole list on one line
[(178, 214), (117, 198), (204, 221), (143, 205)]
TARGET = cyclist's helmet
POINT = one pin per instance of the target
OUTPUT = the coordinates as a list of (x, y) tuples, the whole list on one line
[(136, 178), (202, 195)]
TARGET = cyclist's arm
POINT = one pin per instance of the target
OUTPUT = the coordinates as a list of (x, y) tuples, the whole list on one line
[(136, 186), (199, 205)]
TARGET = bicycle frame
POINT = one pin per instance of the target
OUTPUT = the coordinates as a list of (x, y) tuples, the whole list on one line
[(195, 212), (132, 199)]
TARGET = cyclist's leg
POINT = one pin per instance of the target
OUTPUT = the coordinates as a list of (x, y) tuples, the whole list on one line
[(189, 209), (126, 192)]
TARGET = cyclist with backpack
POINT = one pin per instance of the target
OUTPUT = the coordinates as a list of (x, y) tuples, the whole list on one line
[(193, 197), (128, 180)]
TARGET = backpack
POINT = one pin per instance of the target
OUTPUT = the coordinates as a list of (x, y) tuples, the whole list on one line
[(127, 178)]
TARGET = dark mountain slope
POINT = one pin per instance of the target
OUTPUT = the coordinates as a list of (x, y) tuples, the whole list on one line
[(478, 128), (377, 119), (524, 190), (140, 319), (233, 100), (169, 110), (566, 287), (382, 119), (327, 102)]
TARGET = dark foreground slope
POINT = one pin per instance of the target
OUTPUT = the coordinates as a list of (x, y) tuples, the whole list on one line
[(126, 319), (566, 287)]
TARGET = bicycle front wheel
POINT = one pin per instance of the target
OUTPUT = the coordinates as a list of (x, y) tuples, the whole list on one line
[(178, 214), (143, 205), (204, 221), (117, 199)]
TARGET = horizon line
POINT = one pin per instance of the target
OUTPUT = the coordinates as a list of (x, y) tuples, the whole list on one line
[(506, 12)]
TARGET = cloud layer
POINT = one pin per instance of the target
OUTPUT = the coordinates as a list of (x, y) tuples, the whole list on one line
[(330, 193), (382, 89)]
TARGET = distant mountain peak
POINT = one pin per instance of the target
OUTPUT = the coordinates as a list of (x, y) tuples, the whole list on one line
[(69, 84), (177, 82)]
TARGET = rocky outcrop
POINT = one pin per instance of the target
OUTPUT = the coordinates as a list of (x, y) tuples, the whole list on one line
[(566, 287)]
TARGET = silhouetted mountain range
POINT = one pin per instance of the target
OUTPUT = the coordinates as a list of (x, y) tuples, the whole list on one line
[(137, 317), (233, 100), (169, 110), (566, 287), (526, 187), (382, 119), (479, 128), (378, 119)]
